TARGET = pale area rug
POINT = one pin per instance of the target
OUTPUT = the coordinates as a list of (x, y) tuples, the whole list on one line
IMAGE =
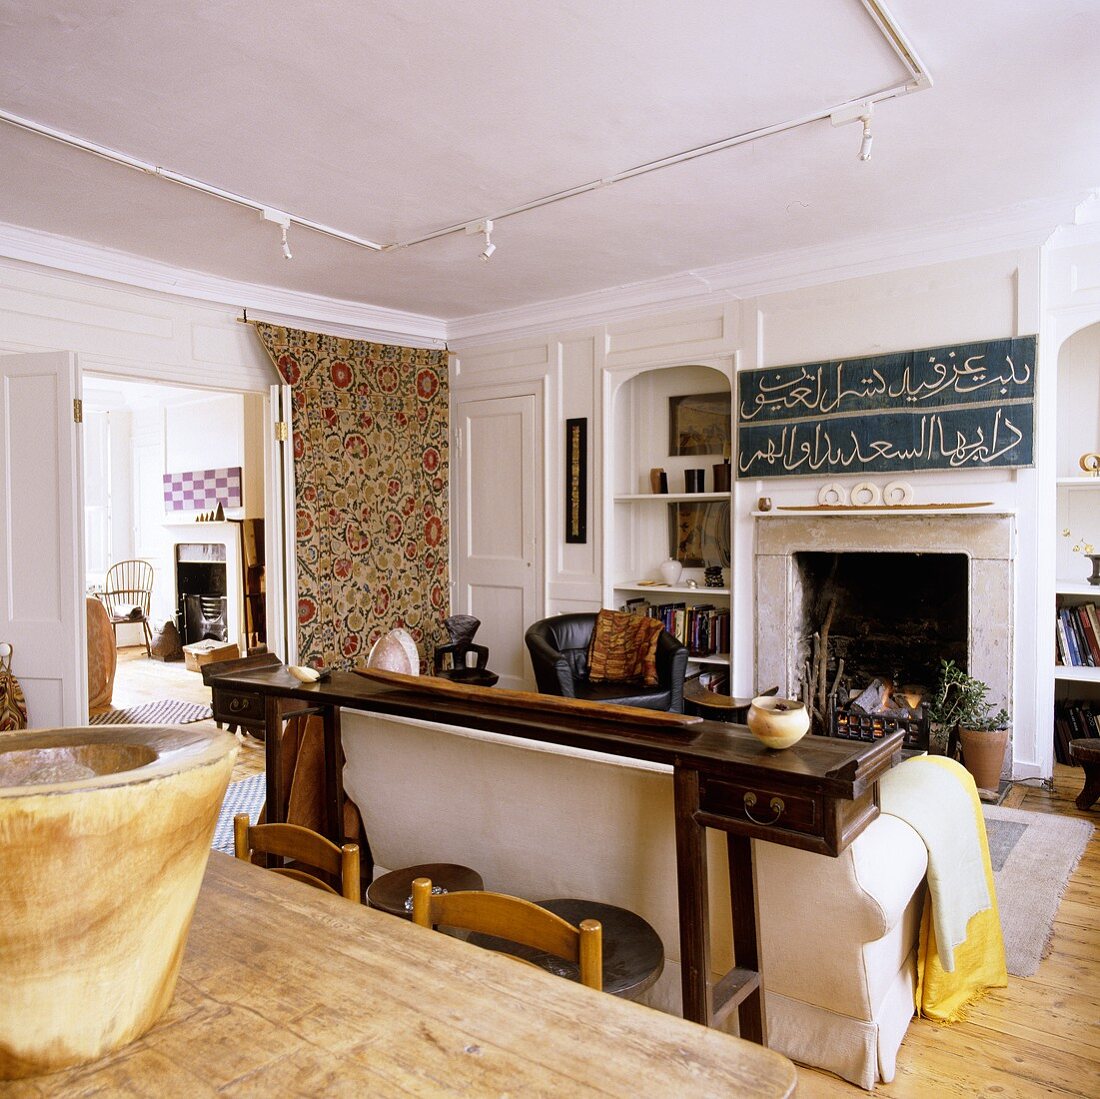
[(165, 712), (246, 796), (1033, 856)]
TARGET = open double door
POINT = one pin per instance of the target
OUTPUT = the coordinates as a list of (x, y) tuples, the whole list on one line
[(42, 533)]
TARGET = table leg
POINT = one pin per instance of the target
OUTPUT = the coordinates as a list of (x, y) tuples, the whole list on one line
[(746, 934), (334, 786), (691, 876), (273, 728), (1091, 790)]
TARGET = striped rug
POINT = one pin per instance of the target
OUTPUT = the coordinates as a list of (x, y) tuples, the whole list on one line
[(246, 796), (164, 712)]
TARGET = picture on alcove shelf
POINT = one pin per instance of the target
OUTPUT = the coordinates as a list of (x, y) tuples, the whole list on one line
[(699, 533), (699, 423)]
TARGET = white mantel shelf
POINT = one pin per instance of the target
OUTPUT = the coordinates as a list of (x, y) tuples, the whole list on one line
[(671, 497), (900, 509), (213, 526)]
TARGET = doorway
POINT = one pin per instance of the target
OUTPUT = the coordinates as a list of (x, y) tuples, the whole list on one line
[(174, 476)]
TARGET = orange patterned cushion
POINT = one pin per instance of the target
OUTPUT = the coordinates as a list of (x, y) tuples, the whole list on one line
[(623, 647)]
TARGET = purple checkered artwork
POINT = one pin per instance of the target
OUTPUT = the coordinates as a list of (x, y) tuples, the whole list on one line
[(202, 489)]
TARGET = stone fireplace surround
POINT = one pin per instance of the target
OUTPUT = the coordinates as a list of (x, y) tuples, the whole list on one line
[(987, 538)]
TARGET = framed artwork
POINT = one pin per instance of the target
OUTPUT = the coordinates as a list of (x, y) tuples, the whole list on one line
[(699, 423), (576, 480), (699, 533)]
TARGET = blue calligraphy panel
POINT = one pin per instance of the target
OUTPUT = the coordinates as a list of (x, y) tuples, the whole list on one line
[(963, 406)]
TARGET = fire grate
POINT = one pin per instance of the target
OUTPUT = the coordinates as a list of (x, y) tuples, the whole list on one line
[(854, 725)]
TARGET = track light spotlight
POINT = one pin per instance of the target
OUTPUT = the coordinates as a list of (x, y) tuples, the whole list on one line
[(283, 221), (484, 226), (865, 144)]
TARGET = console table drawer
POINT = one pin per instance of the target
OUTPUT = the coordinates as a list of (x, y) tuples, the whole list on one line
[(236, 707), (770, 808)]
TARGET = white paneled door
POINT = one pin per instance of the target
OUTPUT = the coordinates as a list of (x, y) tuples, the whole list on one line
[(498, 501), (41, 544)]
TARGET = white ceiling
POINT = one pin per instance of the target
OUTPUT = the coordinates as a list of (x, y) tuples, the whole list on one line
[(389, 119)]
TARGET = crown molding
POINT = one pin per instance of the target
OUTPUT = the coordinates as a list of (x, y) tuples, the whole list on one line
[(1027, 225), (334, 315)]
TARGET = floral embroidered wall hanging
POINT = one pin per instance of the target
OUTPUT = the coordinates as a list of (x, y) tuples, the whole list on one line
[(370, 431)]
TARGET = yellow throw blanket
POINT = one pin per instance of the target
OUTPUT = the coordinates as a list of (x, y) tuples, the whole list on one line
[(961, 953)]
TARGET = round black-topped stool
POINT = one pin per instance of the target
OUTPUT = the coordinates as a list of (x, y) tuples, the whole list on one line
[(392, 892), (633, 954), (1087, 752)]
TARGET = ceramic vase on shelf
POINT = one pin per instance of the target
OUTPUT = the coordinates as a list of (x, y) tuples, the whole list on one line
[(671, 571), (1094, 560), (778, 722)]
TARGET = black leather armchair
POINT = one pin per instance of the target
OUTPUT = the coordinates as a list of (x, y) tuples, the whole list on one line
[(559, 655)]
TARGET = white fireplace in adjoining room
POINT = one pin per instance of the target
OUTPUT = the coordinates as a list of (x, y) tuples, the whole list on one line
[(222, 543), (970, 552)]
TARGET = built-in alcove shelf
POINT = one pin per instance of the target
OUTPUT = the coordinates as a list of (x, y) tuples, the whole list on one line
[(715, 658), (1076, 587), (661, 589), (1076, 675), (1092, 481)]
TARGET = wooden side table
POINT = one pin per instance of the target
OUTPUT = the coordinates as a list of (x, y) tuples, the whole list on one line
[(1087, 753)]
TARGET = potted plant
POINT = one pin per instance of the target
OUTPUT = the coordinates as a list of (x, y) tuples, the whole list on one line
[(959, 702)]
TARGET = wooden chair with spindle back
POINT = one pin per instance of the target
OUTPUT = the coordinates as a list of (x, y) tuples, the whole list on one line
[(291, 841), (517, 920), (129, 585)]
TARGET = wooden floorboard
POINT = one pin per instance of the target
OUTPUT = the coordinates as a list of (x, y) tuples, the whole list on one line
[(1040, 1036), (139, 679)]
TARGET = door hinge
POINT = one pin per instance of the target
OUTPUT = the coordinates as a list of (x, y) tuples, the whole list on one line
[(78, 410), (282, 432)]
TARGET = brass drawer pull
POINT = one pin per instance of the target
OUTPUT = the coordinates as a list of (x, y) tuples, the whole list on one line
[(776, 805), (237, 704)]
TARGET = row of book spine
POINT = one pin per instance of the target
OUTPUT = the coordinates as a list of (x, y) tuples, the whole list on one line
[(1078, 632), (703, 628), (1074, 721)]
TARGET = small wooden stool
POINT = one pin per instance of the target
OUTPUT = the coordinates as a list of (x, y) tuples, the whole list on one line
[(633, 954), (393, 891), (1087, 753)]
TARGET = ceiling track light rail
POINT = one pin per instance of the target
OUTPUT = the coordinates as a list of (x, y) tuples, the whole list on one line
[(854, 110)]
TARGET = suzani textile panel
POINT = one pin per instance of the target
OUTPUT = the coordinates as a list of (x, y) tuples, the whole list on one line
[(370, 469)]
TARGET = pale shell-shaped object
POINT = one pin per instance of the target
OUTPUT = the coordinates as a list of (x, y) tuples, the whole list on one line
[(303, 674), (866, 494), (395, 651), (897, 492), (832, 494)]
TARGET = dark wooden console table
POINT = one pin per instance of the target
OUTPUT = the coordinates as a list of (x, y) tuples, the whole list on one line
[(818, 795)]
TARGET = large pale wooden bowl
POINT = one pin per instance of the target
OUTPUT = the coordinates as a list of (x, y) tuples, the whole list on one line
[(104, 837)]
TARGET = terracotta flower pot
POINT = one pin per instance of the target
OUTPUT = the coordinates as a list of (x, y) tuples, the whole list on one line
[(104, 837), (984, 755)]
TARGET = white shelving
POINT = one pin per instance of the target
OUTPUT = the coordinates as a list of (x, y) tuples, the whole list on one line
[(679, 589), (1076, 675), (644, 527)]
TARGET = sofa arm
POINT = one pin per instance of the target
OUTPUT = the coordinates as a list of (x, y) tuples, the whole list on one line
[(672, 658)]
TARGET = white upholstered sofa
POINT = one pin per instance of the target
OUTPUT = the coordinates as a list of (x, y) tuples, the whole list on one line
[(540, 821)]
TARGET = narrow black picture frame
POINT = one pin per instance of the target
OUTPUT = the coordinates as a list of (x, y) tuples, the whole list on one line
[(576, 481)]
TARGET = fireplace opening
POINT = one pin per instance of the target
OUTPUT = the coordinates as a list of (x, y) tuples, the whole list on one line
[(202, 609), (874, 627)]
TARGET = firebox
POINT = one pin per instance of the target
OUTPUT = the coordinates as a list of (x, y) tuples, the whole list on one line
[(202, 604)]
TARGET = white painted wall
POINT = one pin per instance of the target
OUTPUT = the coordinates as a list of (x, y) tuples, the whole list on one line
[(978, 298)]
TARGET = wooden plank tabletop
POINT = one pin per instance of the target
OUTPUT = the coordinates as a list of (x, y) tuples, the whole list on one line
[(287, 991), (837, 768)]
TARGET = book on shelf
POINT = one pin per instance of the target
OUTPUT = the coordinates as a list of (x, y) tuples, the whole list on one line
[(1075, 648), (1088, 633)]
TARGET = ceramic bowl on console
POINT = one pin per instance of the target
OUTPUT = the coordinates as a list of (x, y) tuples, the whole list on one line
[(104, 837), (778, 722)]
